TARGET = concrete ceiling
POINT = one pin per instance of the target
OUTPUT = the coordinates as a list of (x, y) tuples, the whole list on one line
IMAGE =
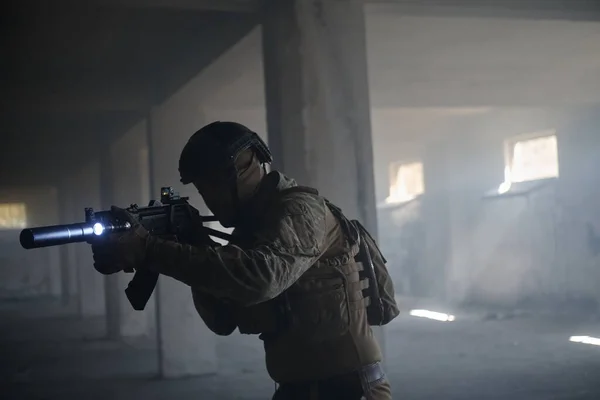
[(576, 10), (205, 5), (431, 61), (73, 59), (76, 74), (424, 61), (530, 9)]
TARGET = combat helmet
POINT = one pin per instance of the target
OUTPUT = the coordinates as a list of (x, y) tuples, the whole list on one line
[(216, 147)]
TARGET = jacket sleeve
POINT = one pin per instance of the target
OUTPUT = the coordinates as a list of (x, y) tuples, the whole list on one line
[(285, 249)]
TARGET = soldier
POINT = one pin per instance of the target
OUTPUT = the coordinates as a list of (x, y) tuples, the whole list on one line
[(289, 274)]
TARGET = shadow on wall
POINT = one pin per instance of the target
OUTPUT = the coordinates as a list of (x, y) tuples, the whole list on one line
[(501, 254), (533, 252), (522, 252)]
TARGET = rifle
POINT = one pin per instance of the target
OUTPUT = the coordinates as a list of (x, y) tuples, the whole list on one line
[(171, 216)]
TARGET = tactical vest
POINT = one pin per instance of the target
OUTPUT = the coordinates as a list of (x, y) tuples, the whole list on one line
[(319, 326), (315, 302)]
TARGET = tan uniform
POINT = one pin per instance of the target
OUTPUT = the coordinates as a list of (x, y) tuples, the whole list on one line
[(289, 275)]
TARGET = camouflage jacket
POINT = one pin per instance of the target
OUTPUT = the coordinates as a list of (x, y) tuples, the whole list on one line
[(239, 285)]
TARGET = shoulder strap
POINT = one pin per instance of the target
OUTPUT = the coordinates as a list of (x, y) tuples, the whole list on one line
[(300, 189), (365, 232)]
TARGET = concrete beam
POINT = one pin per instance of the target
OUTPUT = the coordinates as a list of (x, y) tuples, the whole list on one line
[(43, 161), (35, 140), (522, 9), (585, 10), (61, 97), (242, 6), (427, 96)]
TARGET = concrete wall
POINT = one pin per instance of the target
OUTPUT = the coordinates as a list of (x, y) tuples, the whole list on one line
[(411, 135), (534, 249), (403, 134), (506, 251), (25, 273)]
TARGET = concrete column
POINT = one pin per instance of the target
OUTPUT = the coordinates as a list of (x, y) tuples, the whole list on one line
[(186, 346), (129, 161), (91, 283), (111, 282), (317, 93)]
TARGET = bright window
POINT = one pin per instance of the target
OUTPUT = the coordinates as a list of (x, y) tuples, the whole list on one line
[(530, 159), (406, 182), (13, 216)]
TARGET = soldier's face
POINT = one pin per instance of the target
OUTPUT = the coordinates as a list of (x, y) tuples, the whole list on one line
[(216, 188), (218, 197)]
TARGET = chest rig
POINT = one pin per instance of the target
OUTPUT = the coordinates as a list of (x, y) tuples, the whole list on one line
[(333, 285)]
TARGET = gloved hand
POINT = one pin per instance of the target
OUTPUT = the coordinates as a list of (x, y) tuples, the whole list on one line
[(121, 251)]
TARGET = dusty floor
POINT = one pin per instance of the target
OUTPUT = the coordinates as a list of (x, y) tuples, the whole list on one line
[(51, 355)]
